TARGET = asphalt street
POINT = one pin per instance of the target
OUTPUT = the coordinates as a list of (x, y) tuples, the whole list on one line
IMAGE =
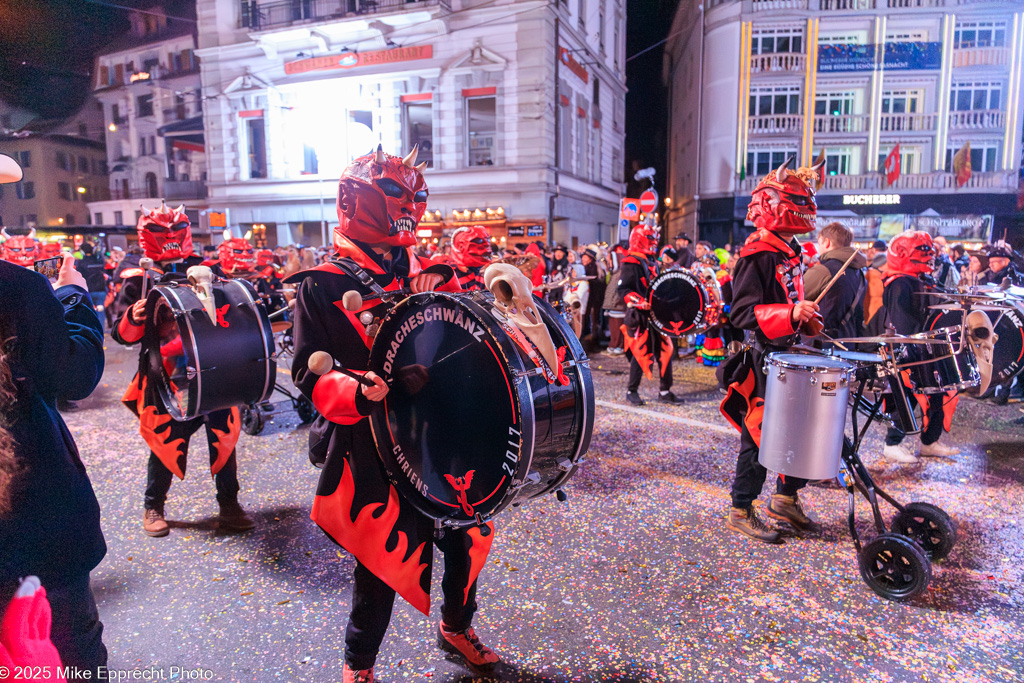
[(634, 578)]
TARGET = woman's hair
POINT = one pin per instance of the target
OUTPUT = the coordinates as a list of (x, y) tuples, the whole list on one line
[(9, 467)]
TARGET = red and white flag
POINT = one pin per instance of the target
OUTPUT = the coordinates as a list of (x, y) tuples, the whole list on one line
[(892, 165)]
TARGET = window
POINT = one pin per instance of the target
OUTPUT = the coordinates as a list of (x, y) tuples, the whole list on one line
[(615, 47), (118, 218), (851, 38), (64, 191), (980, 34), (984, 157), (257, 147), (773, 40), (481, 129), (104, 75), (833, 104), (581, 142), (906, 36), (149, 64), (910, 158), (842, 160), (418, 129), (83, 164), (25, 159), (600, 30), (63, 161), (783, 99), (760, 161), (152, 144), (83, 130), (901, 101), (25, 190), (151, 187), (142, 146), (581, 13), (310, 161), (145, 105), (69, 219), (617, 166), (975, 96), (97, 219)]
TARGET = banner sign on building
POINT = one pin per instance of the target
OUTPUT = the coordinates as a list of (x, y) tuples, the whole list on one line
[(566, 57), (902, 56), (965, 227), (352, 60), (956, 228)]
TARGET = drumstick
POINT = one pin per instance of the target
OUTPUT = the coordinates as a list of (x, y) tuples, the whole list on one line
[(145, 263), (836, 276), (321, 362)]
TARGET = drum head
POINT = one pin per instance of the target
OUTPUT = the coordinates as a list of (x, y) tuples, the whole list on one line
[(451, 432), (1008, 353), (679, 303)]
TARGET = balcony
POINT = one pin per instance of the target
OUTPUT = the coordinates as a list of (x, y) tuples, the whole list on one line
[(765, 5), (863, 5), (184, 189), (776, 124), (265, 15), (841, 123), (829, 5), (120, 193), (778, 62), (978, 119), (980, 56), (902, 123), (921, 182)]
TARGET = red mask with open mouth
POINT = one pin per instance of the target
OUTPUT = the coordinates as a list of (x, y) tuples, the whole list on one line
[(165, 233), (471, 246), (236, 256), (23, 250), (784, 200)]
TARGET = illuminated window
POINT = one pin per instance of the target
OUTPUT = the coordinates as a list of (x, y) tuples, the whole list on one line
[(975, 96), (775, 40), (256, 147), (418, 129), (481, 130), (984, 156), (979, 34), (760, 161), (910, 158)]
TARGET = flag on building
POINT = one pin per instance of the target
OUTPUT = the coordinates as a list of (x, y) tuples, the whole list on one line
[(822, 171), (962, 165), (892, 165)]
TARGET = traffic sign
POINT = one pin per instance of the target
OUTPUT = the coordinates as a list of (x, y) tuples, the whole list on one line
[(630, 209), (623, 229), (649, 201)]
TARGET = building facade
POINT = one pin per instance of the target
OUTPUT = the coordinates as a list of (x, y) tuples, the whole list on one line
[(148, 85), (753, 82), (517, 107)]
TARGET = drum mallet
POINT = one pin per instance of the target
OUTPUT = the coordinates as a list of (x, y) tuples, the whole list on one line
[(321, 362), (353, 300), (145, 263), (835, 277)]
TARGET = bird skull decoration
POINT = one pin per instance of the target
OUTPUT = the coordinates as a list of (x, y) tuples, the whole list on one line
[(513, 296), (982, 338), (201, 279)]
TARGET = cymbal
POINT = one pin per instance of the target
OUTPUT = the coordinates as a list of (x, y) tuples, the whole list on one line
[(894, 339), (956, 296), (958, 307)]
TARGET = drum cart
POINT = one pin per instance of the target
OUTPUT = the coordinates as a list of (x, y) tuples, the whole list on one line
[(895, 564), (254, 416)]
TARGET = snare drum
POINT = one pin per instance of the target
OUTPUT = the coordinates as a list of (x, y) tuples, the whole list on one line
[(200, 363), (472, 424), (685, 302), (804, 418), (937, 368)]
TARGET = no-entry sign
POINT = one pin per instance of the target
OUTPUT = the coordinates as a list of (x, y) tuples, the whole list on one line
[(648, 201)]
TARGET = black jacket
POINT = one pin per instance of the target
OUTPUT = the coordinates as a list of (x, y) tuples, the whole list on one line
[(56, 352), (906, 304)]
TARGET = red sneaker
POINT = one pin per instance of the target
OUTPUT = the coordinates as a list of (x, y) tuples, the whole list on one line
[(361, 676), (465, 643)]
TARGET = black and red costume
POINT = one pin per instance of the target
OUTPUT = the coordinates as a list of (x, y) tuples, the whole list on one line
[(909, 261), (471, 252), (166, 238), (767, 283), (643, 341), (380, 201)]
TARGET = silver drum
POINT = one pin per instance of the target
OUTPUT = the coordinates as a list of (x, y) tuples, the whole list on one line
[(805, 407)]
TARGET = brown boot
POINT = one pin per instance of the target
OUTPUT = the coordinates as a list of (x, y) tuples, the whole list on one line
[(234, 518), (746, 521), (788, 509), (154, 524)]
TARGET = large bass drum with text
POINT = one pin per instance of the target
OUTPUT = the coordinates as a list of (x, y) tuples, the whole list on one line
[(207, 355), (472, 424), (1008, 353)]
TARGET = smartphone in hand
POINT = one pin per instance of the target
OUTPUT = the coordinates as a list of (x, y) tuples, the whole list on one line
[(49, 267)]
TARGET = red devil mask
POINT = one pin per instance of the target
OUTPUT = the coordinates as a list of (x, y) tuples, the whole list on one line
[(784, 200), (644, 239), (911, 252), (264, 257), (236, 256), (164, 233), (21, 249), (381, 199), (51, 249), (471, 247)]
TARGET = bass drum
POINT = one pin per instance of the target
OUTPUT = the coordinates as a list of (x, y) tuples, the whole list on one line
[(1008, 354), (472, 424), (684, 302), (205, 362)]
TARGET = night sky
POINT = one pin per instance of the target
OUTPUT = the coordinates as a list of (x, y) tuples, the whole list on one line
[(48, 48)]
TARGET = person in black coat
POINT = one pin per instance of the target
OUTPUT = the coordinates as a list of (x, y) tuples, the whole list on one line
[(53, 349)]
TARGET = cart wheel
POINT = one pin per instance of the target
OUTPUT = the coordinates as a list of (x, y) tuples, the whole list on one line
[(895, 567), (930, 526), (305, 410), (252, 420)]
